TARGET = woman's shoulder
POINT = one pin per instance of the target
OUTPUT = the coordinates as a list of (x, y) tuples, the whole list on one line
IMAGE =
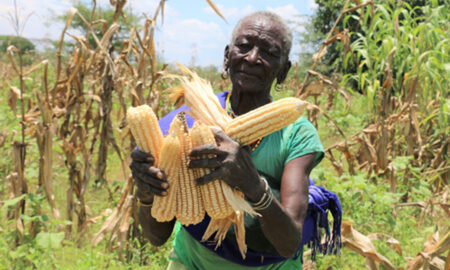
[(302, 121), (301, 127), (301, 138)]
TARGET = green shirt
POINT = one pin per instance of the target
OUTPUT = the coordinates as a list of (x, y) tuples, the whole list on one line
[(270, 157)]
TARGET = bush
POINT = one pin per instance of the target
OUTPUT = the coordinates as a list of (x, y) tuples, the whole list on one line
[(24, 44)]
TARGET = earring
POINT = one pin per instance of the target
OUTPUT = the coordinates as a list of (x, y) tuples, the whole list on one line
[(278, 87), (224, 74)]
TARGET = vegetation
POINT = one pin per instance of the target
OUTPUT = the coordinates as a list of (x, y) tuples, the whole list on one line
[(100, 18), (24, 44), (382, 112)]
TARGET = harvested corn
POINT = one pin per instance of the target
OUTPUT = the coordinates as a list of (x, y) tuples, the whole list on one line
[(164, 208), (145, 129), (265, 120)]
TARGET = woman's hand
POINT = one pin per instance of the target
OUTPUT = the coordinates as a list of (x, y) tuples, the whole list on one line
[(150, 180), (231, 163)]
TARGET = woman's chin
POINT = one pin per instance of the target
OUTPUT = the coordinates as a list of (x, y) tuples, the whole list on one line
[(245, 86)]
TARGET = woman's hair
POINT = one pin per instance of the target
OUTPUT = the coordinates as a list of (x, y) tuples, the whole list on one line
[(268, 15)]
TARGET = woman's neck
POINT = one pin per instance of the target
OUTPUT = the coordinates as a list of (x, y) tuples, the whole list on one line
[(244, 102)]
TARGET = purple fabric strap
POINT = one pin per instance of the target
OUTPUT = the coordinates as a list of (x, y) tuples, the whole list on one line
[(320, 202)]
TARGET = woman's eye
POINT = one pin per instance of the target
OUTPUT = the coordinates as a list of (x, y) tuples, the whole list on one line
[(243, 46), (271, 53)]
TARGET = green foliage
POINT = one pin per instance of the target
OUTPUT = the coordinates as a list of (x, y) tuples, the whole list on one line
[(325, 17), (102, 20), (21, 43), (370, 207), (416, 47), (49, 240)]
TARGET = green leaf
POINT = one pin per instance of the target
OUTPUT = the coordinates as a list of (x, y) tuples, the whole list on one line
[(15, 254), (13, 201), (61, 222), (49, 240)]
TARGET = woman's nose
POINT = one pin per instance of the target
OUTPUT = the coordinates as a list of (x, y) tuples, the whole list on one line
[(253, 55)]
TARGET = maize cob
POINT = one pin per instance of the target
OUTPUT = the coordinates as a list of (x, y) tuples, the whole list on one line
[(219, 199), (145, 129), (190, 208), (265, 120), (198, 95), (214, 200), (164, 208)]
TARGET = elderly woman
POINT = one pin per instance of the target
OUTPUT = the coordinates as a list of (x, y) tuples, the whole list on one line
[(257, 56)]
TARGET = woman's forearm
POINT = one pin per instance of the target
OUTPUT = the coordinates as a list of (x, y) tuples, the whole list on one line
[(281, 229), (282, 221), (156, 232)]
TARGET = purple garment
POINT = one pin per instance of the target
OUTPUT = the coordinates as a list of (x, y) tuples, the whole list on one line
[(320, 202)]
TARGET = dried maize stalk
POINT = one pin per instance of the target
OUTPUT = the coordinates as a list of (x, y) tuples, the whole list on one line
[(145, 129), (190, 209), (164, 208), (265, 120), (215, 203)]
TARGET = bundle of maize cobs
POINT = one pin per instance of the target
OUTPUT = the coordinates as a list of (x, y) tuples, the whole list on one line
[(186, 201)]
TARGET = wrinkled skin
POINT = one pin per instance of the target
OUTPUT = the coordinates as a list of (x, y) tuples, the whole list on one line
[(232, 163), (255, 59), (149, 179)]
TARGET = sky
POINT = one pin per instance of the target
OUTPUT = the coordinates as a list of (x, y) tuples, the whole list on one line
[(192, 33)]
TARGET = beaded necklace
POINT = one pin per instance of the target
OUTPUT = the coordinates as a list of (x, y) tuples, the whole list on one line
[(230, 112)]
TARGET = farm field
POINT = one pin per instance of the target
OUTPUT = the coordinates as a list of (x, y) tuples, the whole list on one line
[(377, 80)]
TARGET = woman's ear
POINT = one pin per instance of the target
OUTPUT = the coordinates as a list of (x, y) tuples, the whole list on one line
[(226, 57), (284, 71)]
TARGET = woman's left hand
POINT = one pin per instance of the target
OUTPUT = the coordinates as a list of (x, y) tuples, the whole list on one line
[(231, 163)]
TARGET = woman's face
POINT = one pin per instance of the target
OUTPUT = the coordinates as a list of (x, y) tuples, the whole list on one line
[(256, 57)]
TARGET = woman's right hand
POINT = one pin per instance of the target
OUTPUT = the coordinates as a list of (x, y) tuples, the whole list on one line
[(149, 179)]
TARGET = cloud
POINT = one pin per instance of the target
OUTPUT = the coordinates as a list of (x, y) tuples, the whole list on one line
[(183, 39), (295, 20), (6, 8), (148, 7), (288, 12), (230, 13), (192, 30), (312, 5), (37, 14)]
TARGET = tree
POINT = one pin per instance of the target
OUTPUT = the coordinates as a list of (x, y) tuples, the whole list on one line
[(24, 44), (101, 20)]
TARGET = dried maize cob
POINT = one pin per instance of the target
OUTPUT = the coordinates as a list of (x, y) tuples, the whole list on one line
[(145, 129), (264, 120), (164, 208), (190, 208), (198, 95), (214, 200)]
